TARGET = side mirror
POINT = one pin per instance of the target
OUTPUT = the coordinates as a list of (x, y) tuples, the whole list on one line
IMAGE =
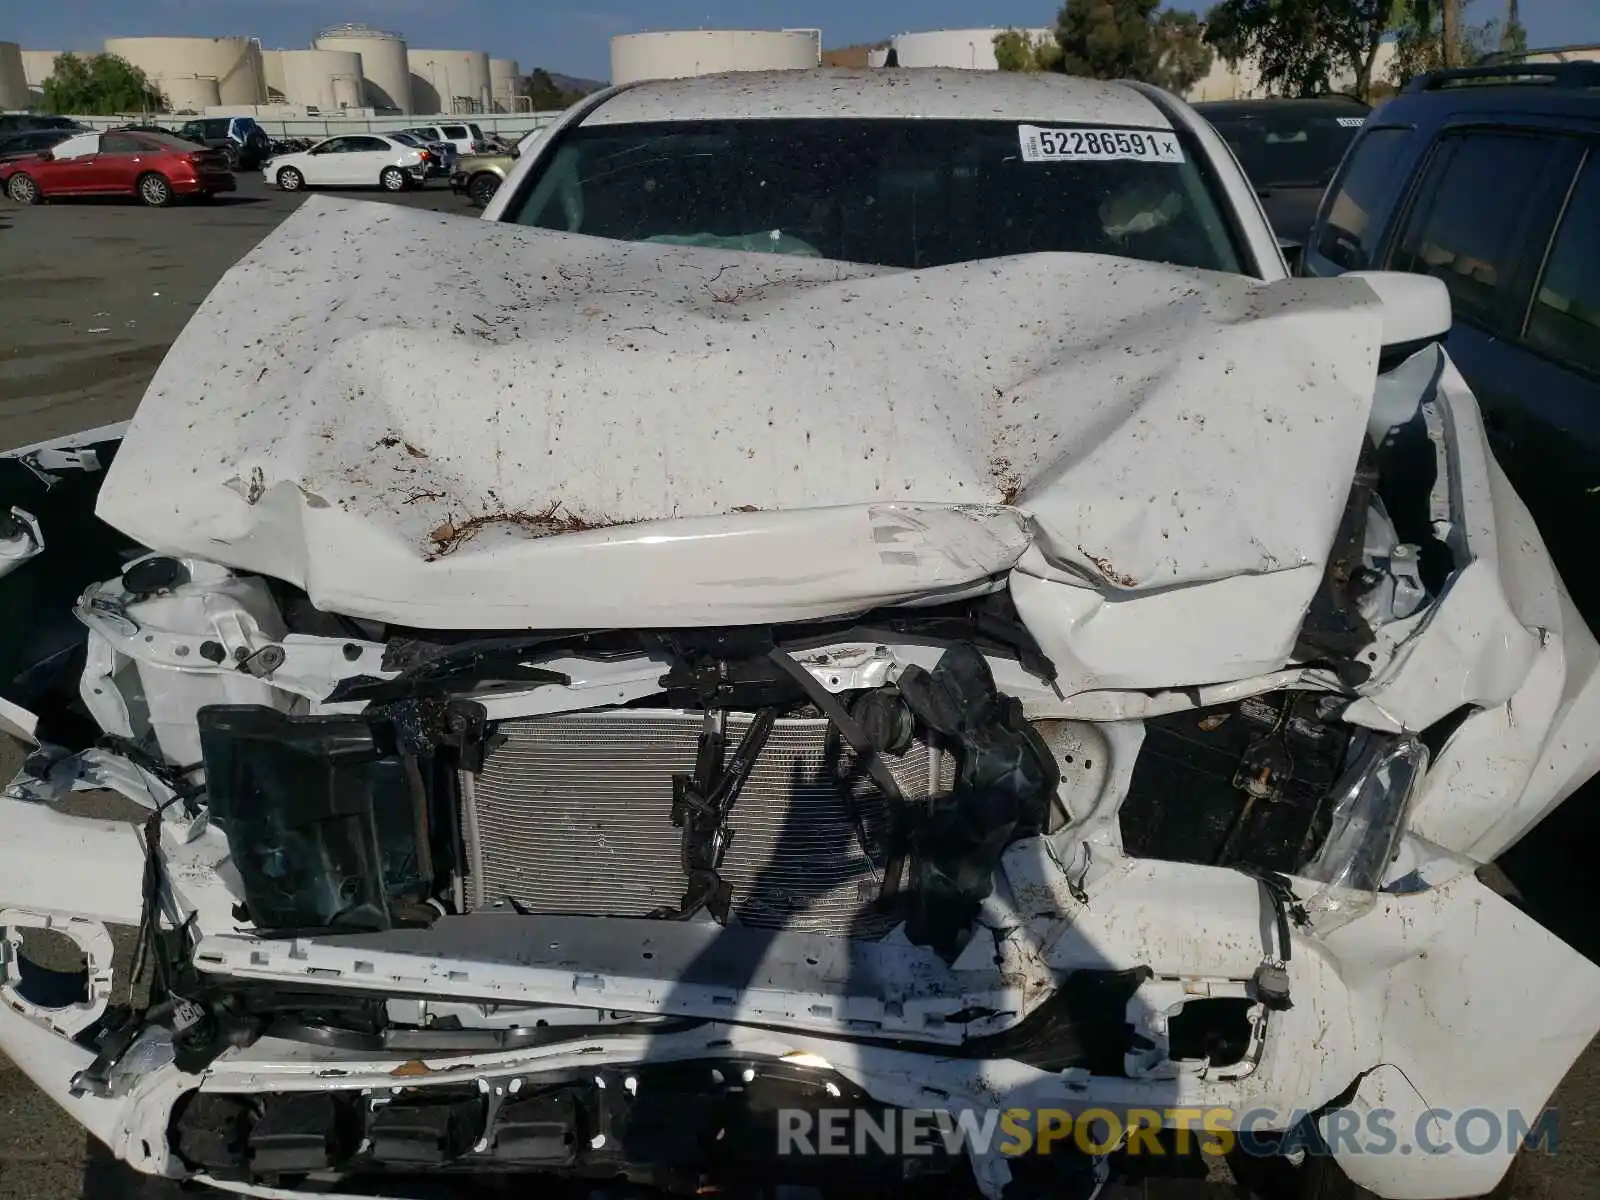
[(1292, 251), (1416, 308)]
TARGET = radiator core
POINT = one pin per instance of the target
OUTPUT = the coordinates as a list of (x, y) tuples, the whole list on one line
[(573, 814)]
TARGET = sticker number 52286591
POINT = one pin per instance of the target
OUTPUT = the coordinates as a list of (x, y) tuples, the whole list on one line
[(1098, 145)]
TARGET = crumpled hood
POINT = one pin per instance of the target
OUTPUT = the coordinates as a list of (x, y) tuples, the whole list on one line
[(456, 423)]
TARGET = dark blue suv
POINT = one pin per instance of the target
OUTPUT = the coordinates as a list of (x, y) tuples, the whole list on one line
[(1489, 179)]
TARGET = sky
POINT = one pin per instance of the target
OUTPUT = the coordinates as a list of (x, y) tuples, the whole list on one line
[(567, 36)]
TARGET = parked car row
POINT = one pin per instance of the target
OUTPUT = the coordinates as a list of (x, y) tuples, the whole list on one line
[(155, 167), (473, 162)]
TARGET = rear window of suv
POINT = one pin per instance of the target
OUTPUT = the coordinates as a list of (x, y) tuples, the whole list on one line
[(890, 192)]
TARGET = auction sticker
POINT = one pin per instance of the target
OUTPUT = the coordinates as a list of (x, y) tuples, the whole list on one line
[(1098, 145)]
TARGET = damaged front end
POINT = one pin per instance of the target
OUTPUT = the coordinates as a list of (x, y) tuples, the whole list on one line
[(986, 806)]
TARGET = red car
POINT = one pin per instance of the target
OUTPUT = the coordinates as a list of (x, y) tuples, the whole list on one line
[(155, 167)]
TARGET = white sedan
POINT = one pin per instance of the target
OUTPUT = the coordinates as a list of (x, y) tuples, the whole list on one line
[(352, 160)]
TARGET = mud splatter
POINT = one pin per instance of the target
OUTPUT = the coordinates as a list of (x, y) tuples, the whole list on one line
[(1109, 571), (453, 534)]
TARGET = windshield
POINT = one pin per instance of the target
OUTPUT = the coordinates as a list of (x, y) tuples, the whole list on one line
[(1289, 148), (898, 193)]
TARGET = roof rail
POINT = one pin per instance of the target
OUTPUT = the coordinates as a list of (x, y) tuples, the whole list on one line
[(1558, 74), (1496, 57)]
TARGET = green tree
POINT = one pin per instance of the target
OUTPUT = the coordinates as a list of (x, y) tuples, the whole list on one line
[(1513, 38), (100, 83), (1421, 43), (1113, 39), (1018, 50), (1109, 39), (547, 95), (1184, 56), (1300, 47)]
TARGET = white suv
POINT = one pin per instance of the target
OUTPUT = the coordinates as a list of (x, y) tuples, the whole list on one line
[(466, 137)]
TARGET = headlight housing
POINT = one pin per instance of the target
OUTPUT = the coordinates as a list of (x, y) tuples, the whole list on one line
[(1368, 813)]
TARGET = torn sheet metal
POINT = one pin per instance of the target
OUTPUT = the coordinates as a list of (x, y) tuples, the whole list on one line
[(763, 438)]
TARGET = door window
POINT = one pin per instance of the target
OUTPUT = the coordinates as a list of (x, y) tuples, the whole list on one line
[(120, 143), (365, 144), (1469, 229), (455, 131), (1564, 320), (331, 146), (1350, 232)]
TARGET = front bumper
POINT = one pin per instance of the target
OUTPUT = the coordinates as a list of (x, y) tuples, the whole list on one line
[(1407, 985)]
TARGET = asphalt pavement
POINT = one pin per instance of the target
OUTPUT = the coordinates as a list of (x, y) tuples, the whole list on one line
[(92, 293)]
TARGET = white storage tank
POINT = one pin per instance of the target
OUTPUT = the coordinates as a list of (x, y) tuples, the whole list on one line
[(13, 78), (968, 49), (327, 80), (386, 78), (272, 72), (191, 93), (678, 54), (177, 62), (449, 81), (39, 65), (505, 81)]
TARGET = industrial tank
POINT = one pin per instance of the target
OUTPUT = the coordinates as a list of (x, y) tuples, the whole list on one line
[(179, 63), (39, 65), (386, 79), (969, 49), (681, 53), (13, 79), (505, 82), (191, 93), (327, 80), (449, 81), (272, 72)]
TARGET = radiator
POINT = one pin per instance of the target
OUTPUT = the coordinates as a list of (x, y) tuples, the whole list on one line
[(573, 814)]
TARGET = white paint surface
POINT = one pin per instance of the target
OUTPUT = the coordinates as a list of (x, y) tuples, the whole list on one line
[(334, 410)]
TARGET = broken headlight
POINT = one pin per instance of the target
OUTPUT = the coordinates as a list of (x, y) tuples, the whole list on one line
[(1367, 812)]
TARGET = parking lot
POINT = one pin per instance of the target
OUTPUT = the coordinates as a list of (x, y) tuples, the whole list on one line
[(94, 293)]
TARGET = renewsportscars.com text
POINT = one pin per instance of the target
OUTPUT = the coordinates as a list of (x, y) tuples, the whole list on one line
[(1215, 1131)]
